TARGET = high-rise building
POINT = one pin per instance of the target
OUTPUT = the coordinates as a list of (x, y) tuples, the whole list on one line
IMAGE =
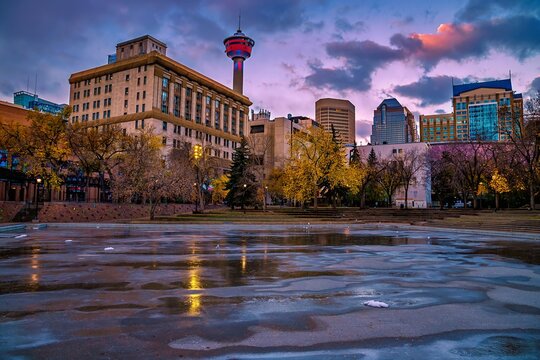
[(238, 48), (144, 88), (339, 114), (392, 124), (34, 102), (477, 110), (437, 128)]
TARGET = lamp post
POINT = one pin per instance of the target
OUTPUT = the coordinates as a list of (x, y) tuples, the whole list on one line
[(244, 197), (38, 183), (197, 154)]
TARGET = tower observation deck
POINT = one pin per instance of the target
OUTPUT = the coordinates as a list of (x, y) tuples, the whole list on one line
[(238, 48)]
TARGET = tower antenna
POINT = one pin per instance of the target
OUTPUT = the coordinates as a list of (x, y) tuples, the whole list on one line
[(239, 19), (35, 86)]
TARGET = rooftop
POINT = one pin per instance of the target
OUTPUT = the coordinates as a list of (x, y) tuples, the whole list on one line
[(141, 38), (505, 84)]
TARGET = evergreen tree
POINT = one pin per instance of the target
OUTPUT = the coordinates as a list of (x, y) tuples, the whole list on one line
[(372, 158), (355, 155), (242, 189)]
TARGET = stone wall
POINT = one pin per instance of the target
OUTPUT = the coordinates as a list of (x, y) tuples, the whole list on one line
[(96, 212)]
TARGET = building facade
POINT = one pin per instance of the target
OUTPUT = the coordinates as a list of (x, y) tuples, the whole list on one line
[(419, 194), (339, 113), (144, 88), (33, 101), (437, 128), (478, 111), (269, 139), (392, 124)]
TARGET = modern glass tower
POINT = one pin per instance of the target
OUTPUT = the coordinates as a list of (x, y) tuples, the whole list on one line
[(392, 124), (486, 111)]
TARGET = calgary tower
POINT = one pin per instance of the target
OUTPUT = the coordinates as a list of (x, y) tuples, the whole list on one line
[(238, 48)]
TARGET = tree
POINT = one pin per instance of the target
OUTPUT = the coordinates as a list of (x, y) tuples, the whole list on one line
[(440, 173), (316, 161), (470, 162), (219, 192), (42, 146), (97, 149), (259, 146), (409, 164), (387, 177), (525, 136), (205, 170), (143, 175), (242, 189), (500, 185)]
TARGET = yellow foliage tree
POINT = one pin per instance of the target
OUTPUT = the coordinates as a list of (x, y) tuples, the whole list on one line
[(42, 146), (219, 192), (317, 160), (500, 185)]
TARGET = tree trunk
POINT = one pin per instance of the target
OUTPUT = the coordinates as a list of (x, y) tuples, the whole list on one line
[(497, 196), (363, 200), (531, 195), (315, 193), (406, 197)]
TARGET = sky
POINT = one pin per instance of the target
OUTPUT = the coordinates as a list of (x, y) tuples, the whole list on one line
[(363, 51)]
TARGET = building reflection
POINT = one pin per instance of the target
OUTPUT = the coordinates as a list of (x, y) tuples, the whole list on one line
[(194, 284), (35, 266)]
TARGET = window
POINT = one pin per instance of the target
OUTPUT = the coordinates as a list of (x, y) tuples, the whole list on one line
[(144, 94), (165, 102), (143, 107), (164, 140), (176, 105), (138, 93), (164, 126), (136, 124), (125, 103), (136, 108), (142, 123), (144, 79), (165, 83), (127, 77), (257, 129), (126, 91), (138, 81)]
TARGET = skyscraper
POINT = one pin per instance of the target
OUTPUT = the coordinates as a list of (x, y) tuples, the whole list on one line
[(392, 124), (238, 48), (437, 128), (477, 110), (340, 114)]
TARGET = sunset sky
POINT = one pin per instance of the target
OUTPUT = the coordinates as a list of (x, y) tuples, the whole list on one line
[(363, 51)]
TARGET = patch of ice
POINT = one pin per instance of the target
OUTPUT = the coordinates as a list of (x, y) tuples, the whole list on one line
[(375, 303), (21, 236), (108, 248), (68, 241)]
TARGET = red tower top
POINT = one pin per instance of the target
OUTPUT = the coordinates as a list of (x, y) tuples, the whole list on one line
[(238, 45)]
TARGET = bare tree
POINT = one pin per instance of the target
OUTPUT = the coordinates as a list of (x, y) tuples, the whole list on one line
[(525, 136), (409, 165), (387, 177), (260, 146)]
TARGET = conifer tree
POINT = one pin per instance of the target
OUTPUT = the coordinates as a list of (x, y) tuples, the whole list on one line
[(242, 189)]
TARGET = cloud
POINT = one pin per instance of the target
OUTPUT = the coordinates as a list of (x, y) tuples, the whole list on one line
[(361, 59), (534, 87), (429, 90), (481, 9), (363, 129), (344, 25), (311, 26), (440, 111), (516, 35)]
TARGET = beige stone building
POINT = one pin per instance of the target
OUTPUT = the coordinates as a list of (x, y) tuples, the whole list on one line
[(437, 128), (269, 139), (339, 113), (145, 88)]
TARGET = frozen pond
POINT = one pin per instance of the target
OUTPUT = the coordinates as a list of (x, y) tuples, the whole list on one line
[(244, 292)]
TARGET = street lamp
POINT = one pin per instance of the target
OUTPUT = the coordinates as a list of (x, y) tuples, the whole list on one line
[(38, 183), (197, 154)]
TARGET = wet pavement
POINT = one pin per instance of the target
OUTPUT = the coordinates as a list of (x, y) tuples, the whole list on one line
[(244, 292)]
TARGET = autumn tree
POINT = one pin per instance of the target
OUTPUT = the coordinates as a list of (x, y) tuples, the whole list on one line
[(316, 161), (206, 169), (525, 136), (42, 146), (97, 149), (219, 192), (145, 176)]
